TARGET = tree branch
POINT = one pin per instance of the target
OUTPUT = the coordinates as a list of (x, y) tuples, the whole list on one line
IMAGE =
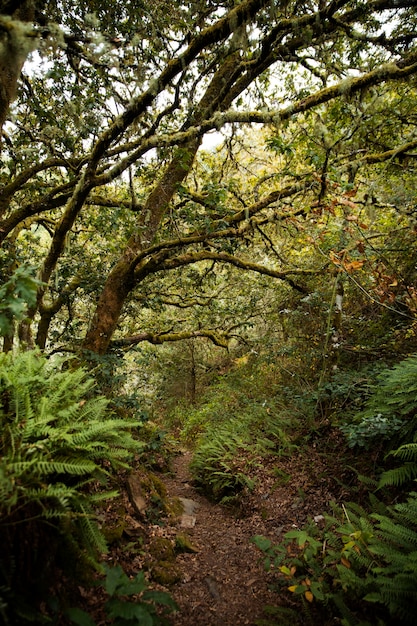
[(219, 339), (223, 257)]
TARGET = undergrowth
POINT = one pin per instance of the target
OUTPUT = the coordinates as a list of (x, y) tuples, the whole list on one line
[(237, 422), (361, 566), (357, 567), (129, 602), (58, 447)]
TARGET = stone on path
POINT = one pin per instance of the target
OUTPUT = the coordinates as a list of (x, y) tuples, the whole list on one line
[(188, 519)]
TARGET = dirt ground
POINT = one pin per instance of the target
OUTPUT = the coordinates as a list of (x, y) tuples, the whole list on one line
[(222, 582)]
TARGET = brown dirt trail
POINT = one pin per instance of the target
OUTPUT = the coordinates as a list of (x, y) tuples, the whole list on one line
[(224, 583)]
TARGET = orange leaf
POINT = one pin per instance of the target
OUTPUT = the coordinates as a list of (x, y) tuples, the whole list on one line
[(308, 596), (345, 562), (353, 265), (351, 192), (292, 588)]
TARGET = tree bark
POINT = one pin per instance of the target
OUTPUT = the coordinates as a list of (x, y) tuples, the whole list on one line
[(121, 279), (15, 45)]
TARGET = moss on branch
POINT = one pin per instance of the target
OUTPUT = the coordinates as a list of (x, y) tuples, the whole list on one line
[(218, 338)]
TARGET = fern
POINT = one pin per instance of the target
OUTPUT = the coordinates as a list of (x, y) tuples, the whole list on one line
[(358, 567), (404, 473), (216, 464), (391, 411), (56, 441)]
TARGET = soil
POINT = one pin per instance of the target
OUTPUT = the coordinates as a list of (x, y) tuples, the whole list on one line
[(222, 581), (225, 583)]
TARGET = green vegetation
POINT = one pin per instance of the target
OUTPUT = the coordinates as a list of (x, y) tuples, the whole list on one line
[(358, 567), (250, 298), (130, 602), (364, 561), (59, 446)]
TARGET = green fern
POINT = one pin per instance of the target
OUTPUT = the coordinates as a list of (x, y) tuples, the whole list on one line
[(358, 567), (391, 411), (56, 441), (216, 464), (404, 473)]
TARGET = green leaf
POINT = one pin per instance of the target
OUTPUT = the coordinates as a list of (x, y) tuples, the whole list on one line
[(261, 542), (160, 597), (136, 613), (79, 617), (300, 535), (115, 577)]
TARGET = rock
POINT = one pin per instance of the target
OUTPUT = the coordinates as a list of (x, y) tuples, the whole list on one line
[(188, 521), (183, 544), (212, 587), (136, 496), (162, 549), (165, 573)]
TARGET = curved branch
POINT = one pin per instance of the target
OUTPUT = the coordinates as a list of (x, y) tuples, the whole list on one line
[(224, 257), (219, 339)]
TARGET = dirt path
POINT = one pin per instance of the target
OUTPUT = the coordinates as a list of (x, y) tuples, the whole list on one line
[(222, 584)]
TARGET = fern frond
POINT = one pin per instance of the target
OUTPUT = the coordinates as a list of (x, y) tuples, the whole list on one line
[(398, 476), (406, 452), (45, 468)]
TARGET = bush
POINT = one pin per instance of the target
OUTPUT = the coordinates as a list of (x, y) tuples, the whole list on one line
[(58, 444), (130, 602), (357, 567), (390, 414), (219, 466)]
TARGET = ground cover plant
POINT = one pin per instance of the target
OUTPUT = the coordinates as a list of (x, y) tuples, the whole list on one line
[(59, 446)]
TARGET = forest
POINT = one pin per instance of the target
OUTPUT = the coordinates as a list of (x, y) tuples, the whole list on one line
[(208, 312)]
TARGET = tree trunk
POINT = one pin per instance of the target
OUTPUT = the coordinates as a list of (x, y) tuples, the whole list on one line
[(15, 44), (121, 281), (118, 286)]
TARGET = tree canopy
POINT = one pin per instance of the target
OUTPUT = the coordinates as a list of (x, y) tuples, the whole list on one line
[(108, 184)]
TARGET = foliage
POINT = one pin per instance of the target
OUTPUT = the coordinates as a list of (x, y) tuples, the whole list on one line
[(357, 566), (58, 446), (217, 464), (16, 295), (390, 412), (372, 429), (235, 422), (404, 473), (123, 214), (130, 602)]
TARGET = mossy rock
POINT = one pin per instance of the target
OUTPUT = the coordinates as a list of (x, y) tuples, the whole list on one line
[(113, 533), (165, 573), (162, 549), (174, 508), (183, 544), (154, 485)]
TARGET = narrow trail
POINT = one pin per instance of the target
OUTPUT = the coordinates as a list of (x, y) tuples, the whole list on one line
[(223, 584)]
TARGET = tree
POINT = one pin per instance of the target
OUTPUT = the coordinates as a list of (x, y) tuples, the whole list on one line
[(140, 86)]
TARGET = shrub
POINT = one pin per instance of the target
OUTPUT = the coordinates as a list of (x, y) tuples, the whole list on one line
[(217, 464), (357, 567), (58, 444), (129, 602), (390, 413)]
